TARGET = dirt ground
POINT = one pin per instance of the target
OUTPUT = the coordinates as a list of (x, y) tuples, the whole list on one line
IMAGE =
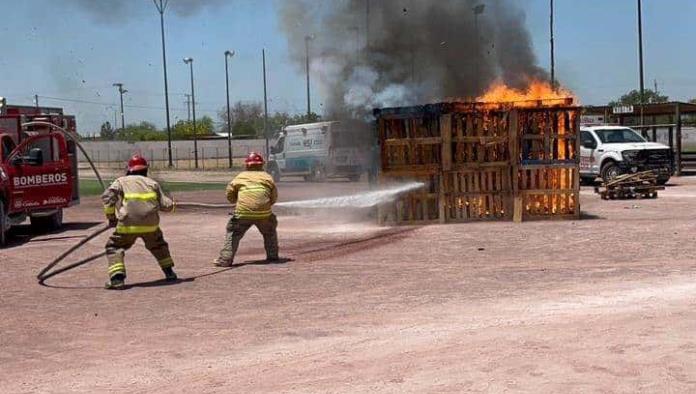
[(604, 304)]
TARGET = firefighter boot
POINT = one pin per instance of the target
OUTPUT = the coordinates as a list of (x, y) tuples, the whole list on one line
[(117, 282), (169, 274), (219, 262)]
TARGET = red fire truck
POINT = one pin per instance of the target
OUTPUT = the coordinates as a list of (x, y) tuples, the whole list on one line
[(38, 167)]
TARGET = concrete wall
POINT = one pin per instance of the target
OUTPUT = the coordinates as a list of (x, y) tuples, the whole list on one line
[(688, 137)]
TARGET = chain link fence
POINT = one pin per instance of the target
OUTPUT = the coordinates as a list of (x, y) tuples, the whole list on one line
[(210, 155)]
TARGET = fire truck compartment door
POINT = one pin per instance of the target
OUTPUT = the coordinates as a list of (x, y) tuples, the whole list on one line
[(44, 186)]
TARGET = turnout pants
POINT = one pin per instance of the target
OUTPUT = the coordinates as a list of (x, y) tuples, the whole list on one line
[(236, 228), (118, 243)]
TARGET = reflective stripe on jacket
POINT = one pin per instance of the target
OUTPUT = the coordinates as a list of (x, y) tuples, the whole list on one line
[(254, 192), (136, 200)]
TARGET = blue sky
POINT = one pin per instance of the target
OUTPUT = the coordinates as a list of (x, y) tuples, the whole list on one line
[(57, 50)]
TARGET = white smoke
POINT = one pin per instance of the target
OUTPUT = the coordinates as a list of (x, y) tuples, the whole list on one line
[(363, 93)]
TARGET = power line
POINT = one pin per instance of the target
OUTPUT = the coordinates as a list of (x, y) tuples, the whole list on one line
[(81, 101)]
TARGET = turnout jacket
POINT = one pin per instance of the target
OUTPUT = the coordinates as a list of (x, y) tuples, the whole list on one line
[(134, 201), (254, 192)]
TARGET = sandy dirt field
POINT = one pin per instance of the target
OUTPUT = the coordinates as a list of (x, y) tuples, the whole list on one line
[(604, 304)]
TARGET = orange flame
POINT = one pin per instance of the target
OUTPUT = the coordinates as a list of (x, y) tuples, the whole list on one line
[(537, 93)]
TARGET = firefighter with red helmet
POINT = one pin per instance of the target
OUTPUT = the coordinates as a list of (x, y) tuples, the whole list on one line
[(254, 193), (132, 204)]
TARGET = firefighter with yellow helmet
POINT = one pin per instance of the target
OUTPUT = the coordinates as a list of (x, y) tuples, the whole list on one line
[(132, 204), (254, 193)]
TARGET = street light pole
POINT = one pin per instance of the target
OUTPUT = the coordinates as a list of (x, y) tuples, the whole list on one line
[(161, 6), (228, 54), (357, 40), (188, 106), (121, 90), (189, 61), (367, 24), (309, 103), (553, 62), (265, 101), (640, 60), (478, 10)]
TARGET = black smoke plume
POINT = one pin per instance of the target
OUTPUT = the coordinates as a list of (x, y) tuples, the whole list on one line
[(374, 53)]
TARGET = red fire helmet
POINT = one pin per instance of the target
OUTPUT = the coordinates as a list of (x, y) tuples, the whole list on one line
[(254, 159), (137, 163)]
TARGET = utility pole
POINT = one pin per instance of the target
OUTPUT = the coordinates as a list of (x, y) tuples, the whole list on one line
[(36, 102), (265, 101), (309, 103), (367, 24), (161, 6), (121, 90), (189, 61), (357, 40), (553, 62), (411, 44), (228, 54), (640, 61)]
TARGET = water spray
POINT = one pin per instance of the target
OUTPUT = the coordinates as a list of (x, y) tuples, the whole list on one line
[(360, 200)]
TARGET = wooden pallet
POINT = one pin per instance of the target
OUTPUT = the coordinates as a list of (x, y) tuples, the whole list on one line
[(630, 186), (480, 162), (547, 174)]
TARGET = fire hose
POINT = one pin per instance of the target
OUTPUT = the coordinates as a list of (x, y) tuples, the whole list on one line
[(47, 271), (202, 205), (44, 274)]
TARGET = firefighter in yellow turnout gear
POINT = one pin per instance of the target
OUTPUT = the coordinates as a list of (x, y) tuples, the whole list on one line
[(131, 204), (254, 193)]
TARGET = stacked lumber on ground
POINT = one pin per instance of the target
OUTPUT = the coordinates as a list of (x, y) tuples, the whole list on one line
[(628, 186), (481, 162)]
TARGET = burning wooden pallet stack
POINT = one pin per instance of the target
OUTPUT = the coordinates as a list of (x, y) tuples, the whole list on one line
[(629, 186), (501, 158)]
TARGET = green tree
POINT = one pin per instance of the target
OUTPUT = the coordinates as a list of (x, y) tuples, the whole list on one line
[(304, 118), (143, 131), (247, 119), (183, 129), (633, 98), (107, 132)]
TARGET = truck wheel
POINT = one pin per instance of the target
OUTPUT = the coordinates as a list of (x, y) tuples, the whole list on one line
[(318, 173), (275, 174), (610, 171), (3, 225), (662, 181), (48, 223)]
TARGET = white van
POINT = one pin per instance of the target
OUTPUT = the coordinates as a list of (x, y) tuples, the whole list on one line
[(321, 150)]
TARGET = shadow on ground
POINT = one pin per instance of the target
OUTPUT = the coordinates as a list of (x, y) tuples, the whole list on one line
[(25, 233), (590, 216), (163, 282)]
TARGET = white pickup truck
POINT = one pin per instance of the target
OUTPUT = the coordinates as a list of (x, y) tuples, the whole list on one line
[(609, 151)]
